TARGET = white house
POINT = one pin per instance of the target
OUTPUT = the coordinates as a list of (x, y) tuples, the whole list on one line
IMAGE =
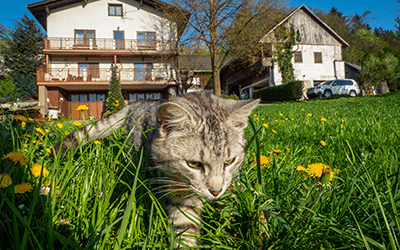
[(85, 38), (317, 57)]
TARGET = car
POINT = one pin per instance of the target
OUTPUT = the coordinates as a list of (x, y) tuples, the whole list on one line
[(335, 87)]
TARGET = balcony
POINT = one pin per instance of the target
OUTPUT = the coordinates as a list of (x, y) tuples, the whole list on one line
[(103, 75), (71, 45)]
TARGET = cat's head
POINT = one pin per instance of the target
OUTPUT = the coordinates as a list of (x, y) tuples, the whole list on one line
[(200, 142)]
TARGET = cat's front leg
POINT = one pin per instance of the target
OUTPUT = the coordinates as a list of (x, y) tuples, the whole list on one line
[(185, 216)]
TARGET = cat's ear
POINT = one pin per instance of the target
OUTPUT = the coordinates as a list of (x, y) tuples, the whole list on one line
[(172, 116), (240, 114)]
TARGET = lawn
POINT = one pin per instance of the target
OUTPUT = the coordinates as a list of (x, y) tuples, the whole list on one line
[(318, 174)]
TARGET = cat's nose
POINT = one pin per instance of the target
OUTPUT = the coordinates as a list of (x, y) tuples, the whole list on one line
[(215, 193)]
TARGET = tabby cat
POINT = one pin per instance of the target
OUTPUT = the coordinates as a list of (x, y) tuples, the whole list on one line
[(197, 145)]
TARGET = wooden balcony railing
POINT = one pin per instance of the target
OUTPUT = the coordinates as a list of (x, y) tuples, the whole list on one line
[(102, 75), (108, 44)]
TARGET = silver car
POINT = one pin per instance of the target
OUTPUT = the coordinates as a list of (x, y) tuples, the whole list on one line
[(335, 87)]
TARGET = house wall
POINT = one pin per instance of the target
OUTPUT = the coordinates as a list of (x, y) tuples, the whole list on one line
[(94, 16)]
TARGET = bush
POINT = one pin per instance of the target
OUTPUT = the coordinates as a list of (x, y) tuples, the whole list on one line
[(286, 92), (25, 86), (7, 87), (234, 97)]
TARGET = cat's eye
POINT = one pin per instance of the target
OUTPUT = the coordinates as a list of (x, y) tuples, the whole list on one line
[(194, 164), (228, 162)]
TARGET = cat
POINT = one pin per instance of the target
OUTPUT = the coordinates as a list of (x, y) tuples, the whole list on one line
[(197, 144)]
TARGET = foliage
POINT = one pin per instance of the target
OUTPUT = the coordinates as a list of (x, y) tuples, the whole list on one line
[(7, 87), (25, 86), (226, 27), (22, 56), (97, 198), (287, 38), (286, 92), (115, 100), (234, 97)]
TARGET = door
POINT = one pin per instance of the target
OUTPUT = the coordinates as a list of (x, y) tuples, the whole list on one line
[(119, 39)]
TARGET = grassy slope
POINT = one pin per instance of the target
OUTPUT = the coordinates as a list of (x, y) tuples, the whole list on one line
[(271, 205)]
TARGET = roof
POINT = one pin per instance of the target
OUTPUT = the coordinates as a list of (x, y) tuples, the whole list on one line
[(357, 67), (198, 63), (317, 19), (41, 9)]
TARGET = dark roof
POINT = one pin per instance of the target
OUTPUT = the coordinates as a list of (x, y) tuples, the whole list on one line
[(194, 62), (41, 9), (317, 19)]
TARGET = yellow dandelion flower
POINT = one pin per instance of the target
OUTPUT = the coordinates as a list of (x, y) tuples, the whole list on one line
[(255, 115), (292, 119), (276, 151), (308, 115), (66, 133), (22, 188), (317, 169), (23, 124), (302, 109), (287, 149), (25, 135), (300, 168), (265, 125), (286, 119), (25, 145), (34, 141), (40, 131), (323, 143), (60, 125), (264, 160), (20, 118), (46, 130), (277, 120), (5, 180), (323, 119), (280, 114), (77, 124), (97, 142), (17, 157), (342, 120), (48, 150), (82, 107), (37, 169), (274, 132)]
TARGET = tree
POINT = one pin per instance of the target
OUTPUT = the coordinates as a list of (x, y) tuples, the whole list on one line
[(226, 27), (115, 100), (23, 55)]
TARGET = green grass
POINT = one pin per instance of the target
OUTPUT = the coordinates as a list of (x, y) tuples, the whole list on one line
[(106, 199)]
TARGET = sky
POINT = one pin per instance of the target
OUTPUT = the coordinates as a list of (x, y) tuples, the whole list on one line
[(384, 12)]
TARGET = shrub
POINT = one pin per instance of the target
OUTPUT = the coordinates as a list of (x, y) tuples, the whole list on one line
[(286, 92), (7, 87), (234, 97)]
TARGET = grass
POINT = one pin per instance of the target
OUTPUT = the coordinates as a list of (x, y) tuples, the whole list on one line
[(99, 199)]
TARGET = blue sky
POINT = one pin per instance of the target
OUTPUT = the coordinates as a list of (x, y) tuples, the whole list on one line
[(384, 11)]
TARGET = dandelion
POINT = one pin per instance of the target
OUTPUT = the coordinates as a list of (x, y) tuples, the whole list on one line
[(274, 132), (47, 130), (286, 119), (60, 125), (264, 160), (66, 133), (302, 109), (277, 120), (280, 114), (17, 157), (37, 169), (323, 119), (342, 120), (77, 124), (64, 222), (20, 118), (25, 145), (24, 135), (255, 115), (44, 191), (300, 168), (40, 131), (276, 151), (318, 170), (287, 149), (323, 143), (265, 125), (22, 188), (23, 124), (292, 119), (48, 150), (308, 115), (97, 142), (5, 180), (82, 107)]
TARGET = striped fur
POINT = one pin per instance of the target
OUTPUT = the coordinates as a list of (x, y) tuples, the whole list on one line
[(197, 145)]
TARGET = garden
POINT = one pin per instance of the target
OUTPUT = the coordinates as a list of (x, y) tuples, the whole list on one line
[(318, 174)]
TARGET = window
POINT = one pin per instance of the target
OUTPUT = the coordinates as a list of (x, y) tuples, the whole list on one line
[(317, 57), (115, 9), (119, 39), (82, 37), (316, 83), (91, 97), (90, 70), (133, 97), (298, 57), (143, 71), (146, 39)]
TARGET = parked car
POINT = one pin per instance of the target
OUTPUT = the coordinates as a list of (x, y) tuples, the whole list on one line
[(335, 87)]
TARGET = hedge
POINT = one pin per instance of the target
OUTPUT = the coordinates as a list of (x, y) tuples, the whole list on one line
[(286, 92)]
